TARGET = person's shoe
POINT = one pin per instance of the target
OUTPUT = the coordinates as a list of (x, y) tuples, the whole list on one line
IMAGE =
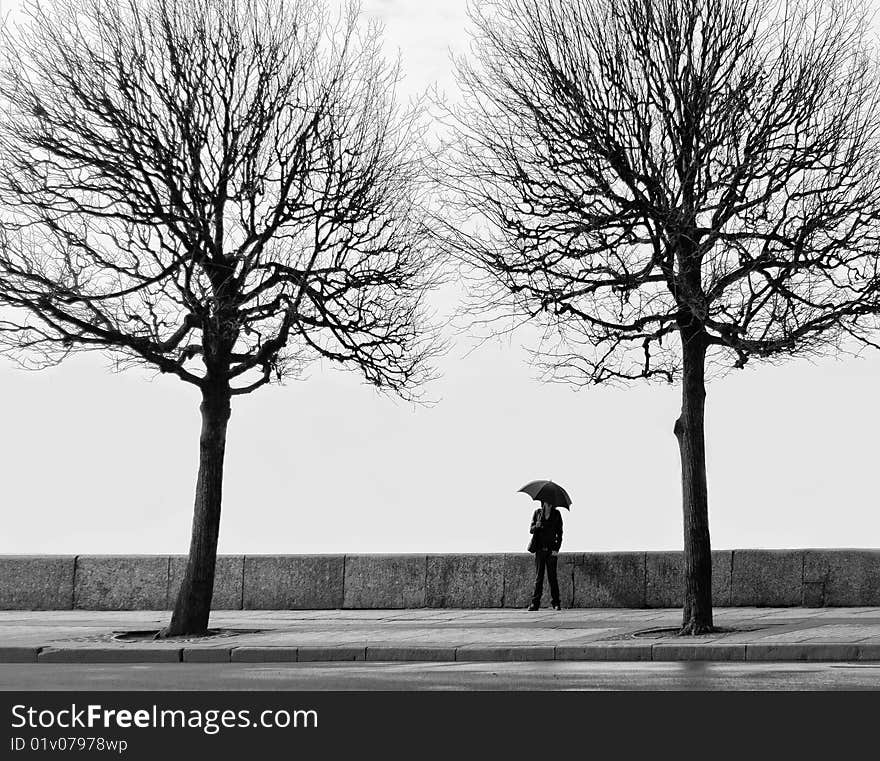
[(557, 607), (532, 607)]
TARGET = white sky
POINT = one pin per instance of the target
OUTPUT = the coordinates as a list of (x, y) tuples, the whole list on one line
[(95, 462)]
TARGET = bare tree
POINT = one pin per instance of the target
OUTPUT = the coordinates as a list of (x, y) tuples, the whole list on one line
[(630, 172), (222, 190)]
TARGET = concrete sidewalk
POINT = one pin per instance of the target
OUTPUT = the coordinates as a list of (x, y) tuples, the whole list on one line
[(431, 634)]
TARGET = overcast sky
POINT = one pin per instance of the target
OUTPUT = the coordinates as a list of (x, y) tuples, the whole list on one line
[(97, 462)]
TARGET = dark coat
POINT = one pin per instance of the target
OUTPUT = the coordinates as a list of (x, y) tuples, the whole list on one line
[(546, 534)]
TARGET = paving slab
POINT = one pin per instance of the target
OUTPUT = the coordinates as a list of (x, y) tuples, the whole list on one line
[(787, 611), (825, 633), (752, 634), (768, 634)]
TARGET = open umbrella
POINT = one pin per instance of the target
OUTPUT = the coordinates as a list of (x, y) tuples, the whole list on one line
[(548, 491)]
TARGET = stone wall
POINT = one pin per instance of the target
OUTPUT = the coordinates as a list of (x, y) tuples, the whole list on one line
[(775, 578)]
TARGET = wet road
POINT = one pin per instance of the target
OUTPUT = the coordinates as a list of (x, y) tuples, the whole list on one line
[(443, 676)]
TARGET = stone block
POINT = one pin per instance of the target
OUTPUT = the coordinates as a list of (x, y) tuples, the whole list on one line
[(814, 594), (415, 653), (465, 581), (277, 654), (519, 580), (664, 579), (767, 578), (722, 578), (811, 578), (706, 651), (333, 653), (19, 654), (869, 651), (802, 651), (385, 581), (604, 651), (293, 582), (505, 653), (227, 581), (816, 566), (109, 655), (36, 582), (847, 577), (609, 580), (121, 582), (206, 655)]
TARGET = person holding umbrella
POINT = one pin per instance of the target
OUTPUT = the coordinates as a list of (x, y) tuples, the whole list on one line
[(546, 531)]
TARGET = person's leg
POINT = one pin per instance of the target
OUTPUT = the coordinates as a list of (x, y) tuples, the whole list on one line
[(554, 582), (539, 579)]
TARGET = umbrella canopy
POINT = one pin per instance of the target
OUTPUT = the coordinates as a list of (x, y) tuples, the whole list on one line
[(548, 491)]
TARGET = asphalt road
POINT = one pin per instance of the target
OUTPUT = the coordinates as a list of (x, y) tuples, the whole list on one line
[(443, 676)]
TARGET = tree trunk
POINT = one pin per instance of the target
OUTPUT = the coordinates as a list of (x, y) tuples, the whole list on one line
[(689, 430), (193, 604)]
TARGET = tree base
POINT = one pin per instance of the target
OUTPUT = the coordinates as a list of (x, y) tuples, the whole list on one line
[(182, 631), (693, 629)]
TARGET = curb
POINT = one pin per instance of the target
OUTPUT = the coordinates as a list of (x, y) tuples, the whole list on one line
[(108, 655), (477, 653), (599, 652), (710, 651), (262, 654), (619, 651), (19, 654)]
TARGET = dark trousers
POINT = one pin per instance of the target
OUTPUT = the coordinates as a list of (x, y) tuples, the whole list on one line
[(545, 559)]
